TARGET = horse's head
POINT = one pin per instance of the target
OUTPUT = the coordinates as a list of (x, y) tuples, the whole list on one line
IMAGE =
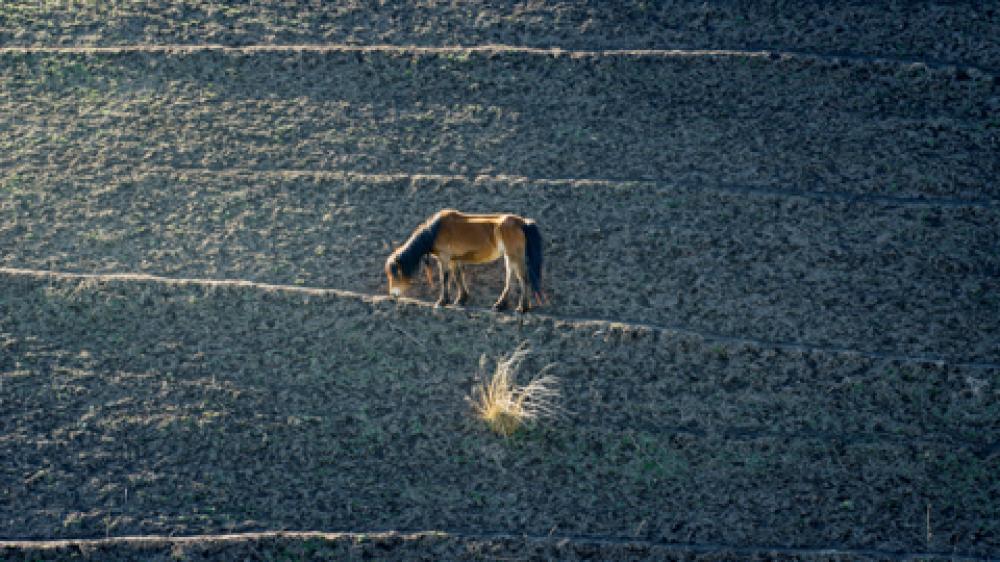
[(399, 282)]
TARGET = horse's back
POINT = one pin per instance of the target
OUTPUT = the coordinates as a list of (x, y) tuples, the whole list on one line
[(477, 238)]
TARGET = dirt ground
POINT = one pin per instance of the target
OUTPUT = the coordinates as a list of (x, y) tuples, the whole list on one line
[(150, 408), (870, 228), (408, 546), (792, 124), (958, 33), (875, 277), (775, 282)]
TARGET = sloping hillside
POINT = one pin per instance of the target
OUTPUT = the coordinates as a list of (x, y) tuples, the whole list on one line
[(773, 257)]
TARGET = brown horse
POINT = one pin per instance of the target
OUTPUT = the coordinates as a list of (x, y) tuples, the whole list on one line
[(456, 239)]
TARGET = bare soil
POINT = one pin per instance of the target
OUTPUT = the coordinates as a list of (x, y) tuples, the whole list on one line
[(882, 278), (780, 205), (774, 275), (956, 33), (154, 408), (406, 546), (740, 121)]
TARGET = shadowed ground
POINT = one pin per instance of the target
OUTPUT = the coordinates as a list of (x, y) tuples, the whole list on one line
[(772, 257)]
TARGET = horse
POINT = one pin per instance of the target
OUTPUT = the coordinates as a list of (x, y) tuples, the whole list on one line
[(457, 239)]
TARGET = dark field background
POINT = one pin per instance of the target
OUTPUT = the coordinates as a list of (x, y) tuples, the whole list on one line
[(773, 258)]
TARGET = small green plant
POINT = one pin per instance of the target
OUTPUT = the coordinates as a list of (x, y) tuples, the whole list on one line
[(505, 406)]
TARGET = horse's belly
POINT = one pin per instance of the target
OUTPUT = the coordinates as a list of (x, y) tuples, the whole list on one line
[(481, 255), (478, 257), (472, 243)]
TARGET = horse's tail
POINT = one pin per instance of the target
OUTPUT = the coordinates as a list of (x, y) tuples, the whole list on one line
[(533, 259)]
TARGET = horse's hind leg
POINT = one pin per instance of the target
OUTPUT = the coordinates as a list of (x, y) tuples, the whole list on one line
[(444, 265), (525, 305), (502, 301), (463, 289)]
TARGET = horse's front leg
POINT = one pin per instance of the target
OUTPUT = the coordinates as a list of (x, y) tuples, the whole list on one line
[(463, 290), (443, 266)]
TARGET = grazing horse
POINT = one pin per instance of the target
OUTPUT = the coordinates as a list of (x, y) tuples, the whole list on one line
[(456, 239)]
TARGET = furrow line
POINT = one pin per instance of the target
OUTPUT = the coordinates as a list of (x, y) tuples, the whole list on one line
[(762, 52), (596, 181), (787, 346), (404, 535), (792, 193), (599, 323)]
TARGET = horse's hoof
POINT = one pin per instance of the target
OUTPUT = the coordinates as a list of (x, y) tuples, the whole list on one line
[(440, 304), (523, 309), (460, 301), (499, 305)]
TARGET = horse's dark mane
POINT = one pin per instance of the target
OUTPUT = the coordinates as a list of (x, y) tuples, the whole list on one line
[(420, 243)]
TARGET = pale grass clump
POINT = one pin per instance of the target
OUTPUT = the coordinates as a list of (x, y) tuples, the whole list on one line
[(505, 406)]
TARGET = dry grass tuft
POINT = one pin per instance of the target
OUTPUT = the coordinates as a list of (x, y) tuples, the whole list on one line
[(505, 406)]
